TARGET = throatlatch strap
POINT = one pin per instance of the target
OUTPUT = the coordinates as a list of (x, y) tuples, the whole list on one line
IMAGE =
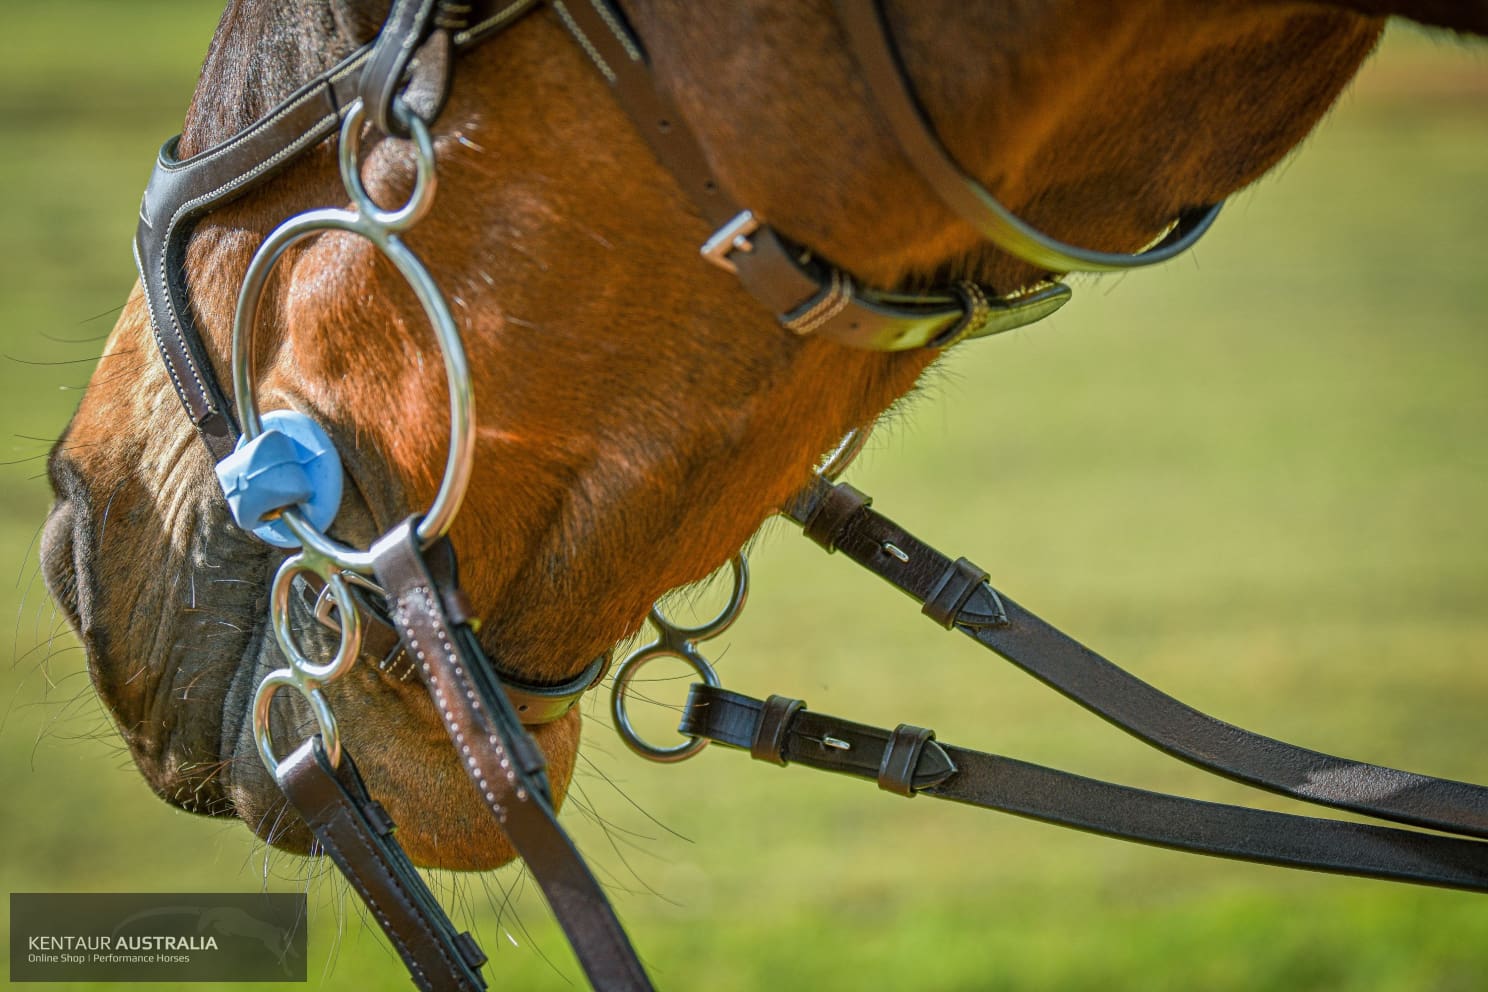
[(357, 833), (919, 765), (997, 623), (501, 759)]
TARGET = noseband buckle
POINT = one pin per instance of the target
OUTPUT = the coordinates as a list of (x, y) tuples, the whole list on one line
[(731, 237)]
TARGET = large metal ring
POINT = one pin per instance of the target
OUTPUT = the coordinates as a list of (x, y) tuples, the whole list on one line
[(380, 227), (681, 643)]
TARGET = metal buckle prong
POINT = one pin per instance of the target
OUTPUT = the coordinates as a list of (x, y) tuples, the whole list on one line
[(731, 237)]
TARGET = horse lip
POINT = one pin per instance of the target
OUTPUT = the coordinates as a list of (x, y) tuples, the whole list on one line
[(66, 540), (58, 554), (71, 540)]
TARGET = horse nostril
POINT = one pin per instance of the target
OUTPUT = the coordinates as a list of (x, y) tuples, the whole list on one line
[(62, 472)]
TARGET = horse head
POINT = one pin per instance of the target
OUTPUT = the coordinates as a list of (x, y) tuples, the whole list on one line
[(640, 416)]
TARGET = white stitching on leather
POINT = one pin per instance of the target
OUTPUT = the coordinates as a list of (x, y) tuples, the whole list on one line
[(446, 712), (170, 366), (838, 296), (314, 134), (494, 21), (411, 39), (621, 35), (584, 42), (409, 905), (353, 63)]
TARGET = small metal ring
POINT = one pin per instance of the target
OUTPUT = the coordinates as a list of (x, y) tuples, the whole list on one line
[(424, 180), (625, 672), (262, 699), (674, 636), (350, 625), (846, 452)]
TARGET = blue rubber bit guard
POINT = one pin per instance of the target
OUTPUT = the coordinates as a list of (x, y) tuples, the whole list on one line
[(291, 464)]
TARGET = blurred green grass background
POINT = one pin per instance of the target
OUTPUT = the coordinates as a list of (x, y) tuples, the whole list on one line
[(1256, 475)]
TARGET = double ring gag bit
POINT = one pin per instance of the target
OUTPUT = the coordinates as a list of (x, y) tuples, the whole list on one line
[(335, 564), (682, 643), (382, 229)]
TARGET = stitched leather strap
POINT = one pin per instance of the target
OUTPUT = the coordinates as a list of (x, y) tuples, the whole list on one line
[(408, 24), (504, 763), (181, 191), (991, 781), (357, 833), (806, 297), (997, 623), (881, 71)]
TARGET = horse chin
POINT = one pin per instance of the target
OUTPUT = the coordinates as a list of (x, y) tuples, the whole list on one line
[(171, 608), (389, 728)]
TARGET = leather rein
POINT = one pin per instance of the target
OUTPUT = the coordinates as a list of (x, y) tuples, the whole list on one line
[(402, 595)]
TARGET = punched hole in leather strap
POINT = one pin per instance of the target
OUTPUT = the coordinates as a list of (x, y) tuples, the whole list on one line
[(838, 505), (773, 729), (951, 592), (901, 757)]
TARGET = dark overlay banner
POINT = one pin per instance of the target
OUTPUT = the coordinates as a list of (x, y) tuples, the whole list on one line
[(157, 937)]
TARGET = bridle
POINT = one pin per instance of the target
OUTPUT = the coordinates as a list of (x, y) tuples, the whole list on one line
[(281, 477)]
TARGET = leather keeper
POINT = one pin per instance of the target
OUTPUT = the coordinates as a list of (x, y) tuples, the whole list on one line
[(955, 587), (770, 734), (838, 505), (457, 605), (901, 757), (469, 950)]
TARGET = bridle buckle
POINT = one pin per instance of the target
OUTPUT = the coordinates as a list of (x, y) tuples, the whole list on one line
[(731, 237)]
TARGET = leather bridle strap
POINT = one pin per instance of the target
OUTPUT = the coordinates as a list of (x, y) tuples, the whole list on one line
[(536, 703), (357, 833), (503, 762), (955, 595), (181, 191), (883, 73), (807, 296), (909, 761)]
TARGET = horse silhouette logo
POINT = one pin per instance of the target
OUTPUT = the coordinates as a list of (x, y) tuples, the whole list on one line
[(231, 923)]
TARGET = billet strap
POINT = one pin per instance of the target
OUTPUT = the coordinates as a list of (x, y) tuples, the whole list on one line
[(955, 595), (503, 761), (806, 296), (357, 833), (909, 761)]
